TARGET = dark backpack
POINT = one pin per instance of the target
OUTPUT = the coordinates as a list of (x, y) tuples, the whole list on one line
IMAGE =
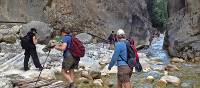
[(133, 58), (77, 48), (25, 42)]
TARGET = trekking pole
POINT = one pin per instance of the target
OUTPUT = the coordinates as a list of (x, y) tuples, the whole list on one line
[(42, 69)]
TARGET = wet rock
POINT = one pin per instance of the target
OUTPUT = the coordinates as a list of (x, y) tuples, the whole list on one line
[(13, 72), (186, 85), (2, 54), (5, 83), (43, 29), (150, 79), (84, 37), (95, 75), (105, 70), (3, 27), (158, 67), (171, 79), (11, 38), (105, 59), (157, 62), (161, 84), (83, 79), (16, 28), (86, 75), (154, 74), (1, 37), (197, 59), (171, 67), (98, 82), (177, 60), (46, 74)]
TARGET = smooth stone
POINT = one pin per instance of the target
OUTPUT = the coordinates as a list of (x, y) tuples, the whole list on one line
[(150, 79), (171, 67), (177, 60), (171, 79), (46, 74), (84, 37), (154, 74), (186, 85), (161, 84), (98, 82)]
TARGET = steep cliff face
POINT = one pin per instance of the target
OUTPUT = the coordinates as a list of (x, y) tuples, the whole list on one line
[(96, 16), (102, 16), (22, 10), (184, 29)]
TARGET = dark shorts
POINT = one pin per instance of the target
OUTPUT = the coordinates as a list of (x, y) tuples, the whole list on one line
[(124, 73), (70, 62)]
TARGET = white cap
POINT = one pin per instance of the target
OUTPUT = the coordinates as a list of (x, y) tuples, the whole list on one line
[(120, 32)]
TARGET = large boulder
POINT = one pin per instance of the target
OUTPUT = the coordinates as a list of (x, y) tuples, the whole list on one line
[(84, 37), (43, 30), (183, 36)]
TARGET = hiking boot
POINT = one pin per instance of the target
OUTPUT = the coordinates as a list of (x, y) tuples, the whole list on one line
[(40, 69), (26, 69)]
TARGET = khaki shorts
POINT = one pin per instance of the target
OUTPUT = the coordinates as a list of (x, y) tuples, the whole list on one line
[(124, 73), (70, 62)]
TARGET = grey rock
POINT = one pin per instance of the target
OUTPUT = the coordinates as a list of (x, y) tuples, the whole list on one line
[(22, 10), (11, 38), (95, 74), (98, 82), (186, 85), (84, 37), (43, 30), (183, 29), (155, 74), (5, 83), (3, 27), (171, 79)]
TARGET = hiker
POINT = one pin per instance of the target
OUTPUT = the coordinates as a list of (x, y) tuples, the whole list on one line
[(112, 39), (31, 50), (119, 57), (69, 62)]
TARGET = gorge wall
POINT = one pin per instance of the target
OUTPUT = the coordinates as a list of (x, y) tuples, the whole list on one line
[(99, 17), (183, 36), (22, 10)]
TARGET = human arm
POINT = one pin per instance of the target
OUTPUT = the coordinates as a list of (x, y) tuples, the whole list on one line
[(35, 40), (61, 47), (114, 57)]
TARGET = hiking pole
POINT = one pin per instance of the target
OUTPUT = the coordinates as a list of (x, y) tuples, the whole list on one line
[(43, 67)]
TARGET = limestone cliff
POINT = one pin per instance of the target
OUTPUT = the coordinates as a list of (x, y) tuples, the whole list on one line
[(22, 10), (183, 34), (96, 16)]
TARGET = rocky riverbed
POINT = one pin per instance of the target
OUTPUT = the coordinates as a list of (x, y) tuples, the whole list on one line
[(158, 70)]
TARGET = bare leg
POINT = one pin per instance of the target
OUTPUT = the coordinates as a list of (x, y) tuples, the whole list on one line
[(127, 85), (72, 75), (119, 84), (67, 75)]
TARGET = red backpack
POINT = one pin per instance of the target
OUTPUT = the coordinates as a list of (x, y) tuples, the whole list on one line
[(77, 48)]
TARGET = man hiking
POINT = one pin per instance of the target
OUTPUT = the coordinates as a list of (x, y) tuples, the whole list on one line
[(31, 50), (112, 39), (120, 57), (69, 62)]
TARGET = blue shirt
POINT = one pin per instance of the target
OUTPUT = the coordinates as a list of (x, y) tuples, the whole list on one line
[(120, 50), (66, 39)]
